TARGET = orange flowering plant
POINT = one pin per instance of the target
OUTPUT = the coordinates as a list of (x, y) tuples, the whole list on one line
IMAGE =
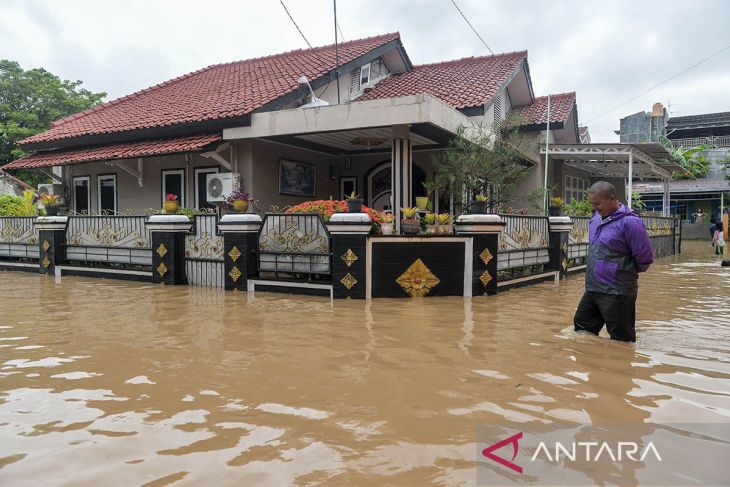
[(326, 208)]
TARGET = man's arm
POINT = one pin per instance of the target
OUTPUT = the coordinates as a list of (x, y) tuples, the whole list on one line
[(639, 244)]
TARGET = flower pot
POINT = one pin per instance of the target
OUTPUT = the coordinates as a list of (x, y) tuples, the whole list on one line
[(240, 206), (422, 202), (51, 210), (478, 207), (354, 205), (410, 226), (446, 229), (387, 228), (171, 206), (555, 210), (431, 229)]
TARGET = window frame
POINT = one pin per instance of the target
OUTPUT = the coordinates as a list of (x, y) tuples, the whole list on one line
[(202, 170), (163, 186), (99, 179), (575, 185), (366, 83), (88, 192)]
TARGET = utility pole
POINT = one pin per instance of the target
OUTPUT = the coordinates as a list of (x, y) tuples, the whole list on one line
[(547, 148), (337, 56)]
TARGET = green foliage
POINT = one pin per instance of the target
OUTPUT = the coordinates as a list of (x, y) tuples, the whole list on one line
[(29, 101), (480, 163), (578, 208), (9, 204), (691, 159), (636, 202)]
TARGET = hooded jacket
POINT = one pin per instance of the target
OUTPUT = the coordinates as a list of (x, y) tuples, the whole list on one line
[(619, 248)]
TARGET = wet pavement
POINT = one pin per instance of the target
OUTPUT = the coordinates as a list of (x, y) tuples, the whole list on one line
[(117, 383)]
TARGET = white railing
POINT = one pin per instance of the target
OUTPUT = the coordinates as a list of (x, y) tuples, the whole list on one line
[(18, 237), (718, 141), (204, 253)]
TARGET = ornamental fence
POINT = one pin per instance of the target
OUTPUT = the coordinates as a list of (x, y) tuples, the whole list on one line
[(290, 245), (524, 246), (204, 253), (578, 241), (664, 233), (117, 240), (18, 238)]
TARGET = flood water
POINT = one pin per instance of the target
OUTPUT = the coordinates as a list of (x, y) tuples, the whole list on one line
[(107, 382)]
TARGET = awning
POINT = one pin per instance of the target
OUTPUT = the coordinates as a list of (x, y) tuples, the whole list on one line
[(127, 150), (648, 160)]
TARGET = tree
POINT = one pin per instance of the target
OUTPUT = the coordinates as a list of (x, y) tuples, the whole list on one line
[(696, 164), (481, 161), (29, 101)]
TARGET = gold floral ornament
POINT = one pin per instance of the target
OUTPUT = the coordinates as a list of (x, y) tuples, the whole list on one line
[(234, 253), (161, 250), (485, 278), (349, 257), (46, 245), (417, 280), (348, 281), (46, 262), (486, 256), (235, 274), (162, 269)]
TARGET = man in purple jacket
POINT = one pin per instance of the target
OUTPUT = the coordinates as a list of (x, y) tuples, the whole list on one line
[(618, 250)]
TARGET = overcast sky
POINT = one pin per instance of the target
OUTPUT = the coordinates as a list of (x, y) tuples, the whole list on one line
[(608, 52)]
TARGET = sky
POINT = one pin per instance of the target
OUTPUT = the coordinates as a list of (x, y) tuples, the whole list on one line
[(609, 52)]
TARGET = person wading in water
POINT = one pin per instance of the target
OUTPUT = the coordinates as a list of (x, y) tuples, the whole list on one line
[(619, 248)]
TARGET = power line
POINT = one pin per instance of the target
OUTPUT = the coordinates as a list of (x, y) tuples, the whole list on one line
[(660, 84), (295, 24), (340, 29), (472, 27)]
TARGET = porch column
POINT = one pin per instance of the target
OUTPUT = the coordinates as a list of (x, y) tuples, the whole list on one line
[(168, 247), (51, 242), (559, 230), (631, 177), (485, 231), (666, 201), (240, 235), (349, 236), (401, 176)]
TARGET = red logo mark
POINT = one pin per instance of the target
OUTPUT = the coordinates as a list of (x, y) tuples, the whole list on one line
[(514, 439)]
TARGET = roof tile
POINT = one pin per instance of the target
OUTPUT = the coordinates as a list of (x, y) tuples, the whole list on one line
[(561, 105)]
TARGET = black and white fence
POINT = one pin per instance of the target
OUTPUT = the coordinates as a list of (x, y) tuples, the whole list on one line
[(18, 238), (116, 240), (204, 253), (524, 245)]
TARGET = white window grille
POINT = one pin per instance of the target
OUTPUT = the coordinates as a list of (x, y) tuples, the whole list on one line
[(575, 188)]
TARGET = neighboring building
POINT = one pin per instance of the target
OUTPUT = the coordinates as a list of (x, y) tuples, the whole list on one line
[(257, 119), (644, 126), (585, 136), (12, 185), (711, 192)]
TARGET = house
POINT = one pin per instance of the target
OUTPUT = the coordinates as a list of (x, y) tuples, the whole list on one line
[(296, 126), (644, 126), (9, 184)]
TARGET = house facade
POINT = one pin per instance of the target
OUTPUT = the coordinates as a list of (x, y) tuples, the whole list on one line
[(297, 126)]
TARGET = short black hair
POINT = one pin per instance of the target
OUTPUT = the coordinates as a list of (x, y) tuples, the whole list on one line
[(603, 188), (725, 263)]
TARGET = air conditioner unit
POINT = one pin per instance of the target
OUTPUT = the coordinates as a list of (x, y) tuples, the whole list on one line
[(220, 185), (56, 189)]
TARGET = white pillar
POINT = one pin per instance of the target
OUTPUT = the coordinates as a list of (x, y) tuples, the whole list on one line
[(631, 177), (401, 171), (666, 200)]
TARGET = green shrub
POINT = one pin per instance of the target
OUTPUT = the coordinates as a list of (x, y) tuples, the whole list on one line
[(9, 204)]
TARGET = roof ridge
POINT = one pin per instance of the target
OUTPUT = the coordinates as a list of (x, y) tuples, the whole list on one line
[(473, 58), (553, 95), (88, 111)]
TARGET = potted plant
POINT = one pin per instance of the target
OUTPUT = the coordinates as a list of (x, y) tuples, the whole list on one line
[(410, 224), (556, 206), (430, 186), (387, 227), (171, 204), (51, 202), (239, 199), (430, 219), (479, 205), (354, 203), (444, 223)]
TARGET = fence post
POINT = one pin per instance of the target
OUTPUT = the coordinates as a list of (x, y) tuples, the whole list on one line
[(560, 227), (349, 236), (240, 235), (484, 231), (51, 242), (168, 247)]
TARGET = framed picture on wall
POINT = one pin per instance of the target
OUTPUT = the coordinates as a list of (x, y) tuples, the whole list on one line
[(348, 184), (297, 178)]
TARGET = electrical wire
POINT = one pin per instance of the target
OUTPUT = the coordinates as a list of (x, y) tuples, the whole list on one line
[(295, 24), (472, 27), (660, 84)]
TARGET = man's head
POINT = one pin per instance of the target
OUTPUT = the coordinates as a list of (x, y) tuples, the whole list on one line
[(602, 196)]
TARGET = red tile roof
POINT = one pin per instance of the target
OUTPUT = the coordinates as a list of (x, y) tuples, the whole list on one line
[(461, 83), (561, 105), (20, 183), (127, 150), (216, 92)]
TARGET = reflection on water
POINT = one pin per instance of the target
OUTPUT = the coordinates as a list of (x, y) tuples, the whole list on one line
[(104, 381)]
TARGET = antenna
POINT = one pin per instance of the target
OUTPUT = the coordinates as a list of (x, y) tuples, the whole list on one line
[(337, 56)]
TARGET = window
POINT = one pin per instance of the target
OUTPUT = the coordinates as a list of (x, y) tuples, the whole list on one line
[(575, 188), (201, 189), (365, 75), (81, 196), (106, 192), (173, 182)]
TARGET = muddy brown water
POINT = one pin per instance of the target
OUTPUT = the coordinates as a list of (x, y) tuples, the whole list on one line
[(106, 382)]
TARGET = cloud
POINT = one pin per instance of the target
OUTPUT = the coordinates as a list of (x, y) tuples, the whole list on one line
[(607, 52)]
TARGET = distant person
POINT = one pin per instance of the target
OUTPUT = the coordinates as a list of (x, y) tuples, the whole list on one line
[(713, 226), (718, 241), (699, 216), (619, 248)]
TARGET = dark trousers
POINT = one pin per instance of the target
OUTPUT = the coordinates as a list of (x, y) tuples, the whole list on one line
[(616, 311)]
